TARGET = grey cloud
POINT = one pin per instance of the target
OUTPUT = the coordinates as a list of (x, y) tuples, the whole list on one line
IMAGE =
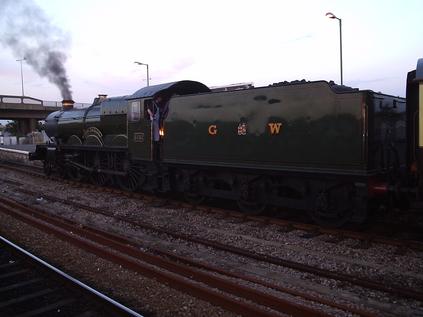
[(26, 30)]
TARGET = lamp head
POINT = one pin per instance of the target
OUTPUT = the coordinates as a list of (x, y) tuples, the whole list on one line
[(330, 15)]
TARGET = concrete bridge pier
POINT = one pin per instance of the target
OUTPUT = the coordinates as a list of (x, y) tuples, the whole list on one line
[(25, 126)]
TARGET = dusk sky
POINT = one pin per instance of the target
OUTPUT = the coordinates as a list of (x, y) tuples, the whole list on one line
[(225, 42)]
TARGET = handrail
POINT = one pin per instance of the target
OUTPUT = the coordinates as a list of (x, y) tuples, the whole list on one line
[(19, 97)]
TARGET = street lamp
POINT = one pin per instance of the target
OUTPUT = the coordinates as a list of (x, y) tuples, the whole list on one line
[(148, 76), (330, 15), (22, 78)]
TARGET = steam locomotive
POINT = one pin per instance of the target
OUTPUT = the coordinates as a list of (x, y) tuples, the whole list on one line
[(333, 151)]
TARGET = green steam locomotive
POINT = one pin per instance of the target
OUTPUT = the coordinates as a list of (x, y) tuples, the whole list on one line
[(331, 150)]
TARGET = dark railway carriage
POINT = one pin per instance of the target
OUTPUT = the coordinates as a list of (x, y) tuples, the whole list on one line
[(415, 130), (305, 145)]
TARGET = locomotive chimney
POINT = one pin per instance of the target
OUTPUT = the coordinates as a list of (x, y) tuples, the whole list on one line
[(67, 104)]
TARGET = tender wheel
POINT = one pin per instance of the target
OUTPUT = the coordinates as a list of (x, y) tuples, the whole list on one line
[(73, 173), (96, 162), (62, 171), (251, 200), (48, 167), (100, 179), (250, 207), (192, 192), (194, 198), (333, 207), (132, 181)]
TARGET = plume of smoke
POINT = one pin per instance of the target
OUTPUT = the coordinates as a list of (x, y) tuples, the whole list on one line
[(26, 30)]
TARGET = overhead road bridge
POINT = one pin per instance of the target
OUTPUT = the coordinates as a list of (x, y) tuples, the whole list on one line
[(26, 111)]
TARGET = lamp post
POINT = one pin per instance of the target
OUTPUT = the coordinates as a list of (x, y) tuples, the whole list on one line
[(148, 75), (22, 78), (330, 15)]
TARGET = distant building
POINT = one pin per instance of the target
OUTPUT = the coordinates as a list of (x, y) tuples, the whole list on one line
[(232, 87)]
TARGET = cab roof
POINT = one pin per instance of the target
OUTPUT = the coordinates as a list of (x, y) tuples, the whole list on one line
[(184, 87)]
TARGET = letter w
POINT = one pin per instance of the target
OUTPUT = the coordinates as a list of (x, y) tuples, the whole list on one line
[(274, 127)]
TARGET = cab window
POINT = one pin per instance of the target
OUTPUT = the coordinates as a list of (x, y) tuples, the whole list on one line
[(135, 111)]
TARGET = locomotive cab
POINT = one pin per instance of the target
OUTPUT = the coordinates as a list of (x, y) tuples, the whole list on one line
[(142, 112)]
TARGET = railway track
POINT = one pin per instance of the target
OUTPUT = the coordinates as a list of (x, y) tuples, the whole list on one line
[(364, 239), (356, 280), (129, 247), (393, 289), (31, 287), (248, 301)]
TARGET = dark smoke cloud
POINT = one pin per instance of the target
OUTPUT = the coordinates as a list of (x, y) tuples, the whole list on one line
[(26, 30)]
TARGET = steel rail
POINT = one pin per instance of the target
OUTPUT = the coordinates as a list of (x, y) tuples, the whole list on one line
[(208, 267), (115, 306), (356, 280), (68, 231)]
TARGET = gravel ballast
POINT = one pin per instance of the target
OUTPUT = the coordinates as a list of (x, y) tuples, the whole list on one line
[(378, 262)]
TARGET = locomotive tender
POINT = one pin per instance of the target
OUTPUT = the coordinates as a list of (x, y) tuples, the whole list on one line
[(303, 145)]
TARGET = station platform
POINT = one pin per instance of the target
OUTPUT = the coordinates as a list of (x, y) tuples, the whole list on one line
[(18, 153), (20, 147)]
